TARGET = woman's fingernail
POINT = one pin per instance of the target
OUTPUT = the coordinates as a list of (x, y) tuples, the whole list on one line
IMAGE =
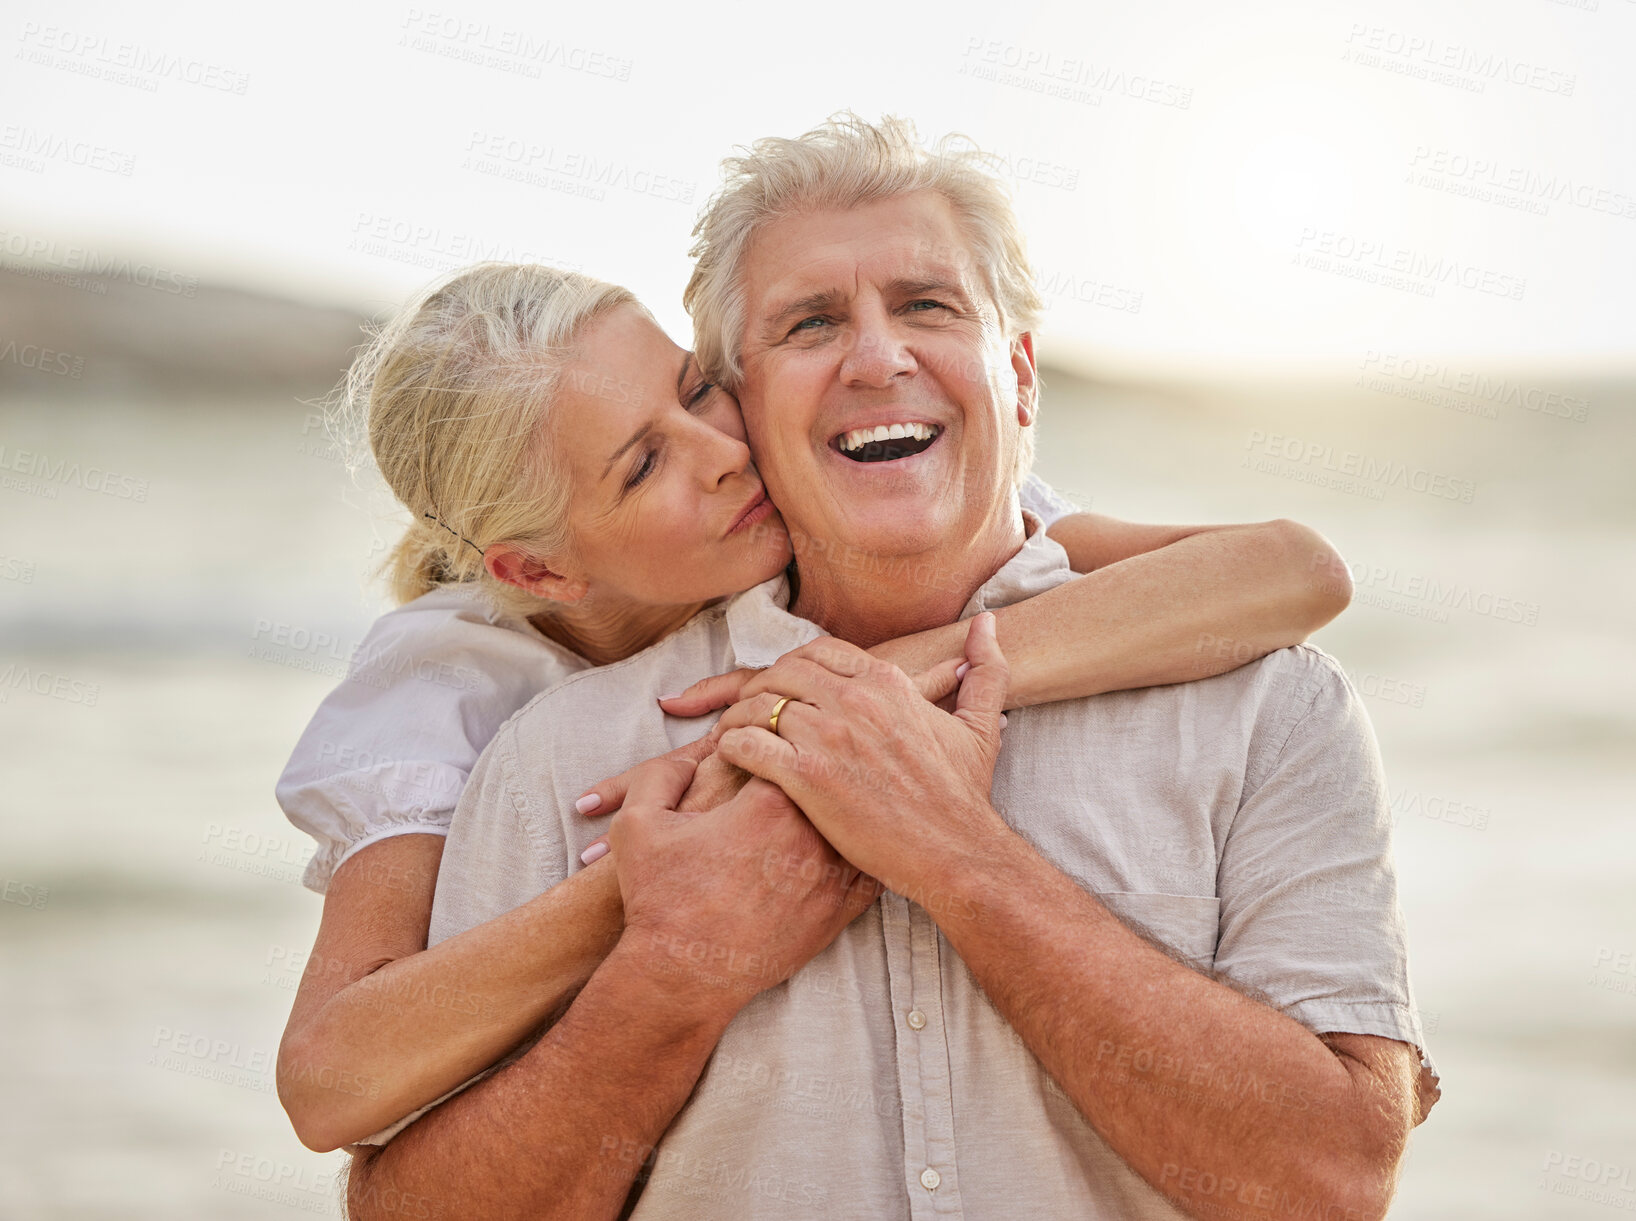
[(594, 853), (1002, 720), (960, 670), (677, 696), (587, 803)]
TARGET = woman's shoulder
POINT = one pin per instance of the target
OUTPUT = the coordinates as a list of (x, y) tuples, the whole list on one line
[(391, 746), (460, 627), (432, 679)]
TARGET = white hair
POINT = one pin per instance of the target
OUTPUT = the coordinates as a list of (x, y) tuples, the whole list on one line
[(842, 163), (453, 391)]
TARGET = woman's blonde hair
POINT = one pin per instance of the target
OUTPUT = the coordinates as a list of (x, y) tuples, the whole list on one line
[(454, 389), (845, 162)]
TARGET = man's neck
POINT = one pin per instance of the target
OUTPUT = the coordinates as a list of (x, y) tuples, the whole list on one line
[(865, 599)]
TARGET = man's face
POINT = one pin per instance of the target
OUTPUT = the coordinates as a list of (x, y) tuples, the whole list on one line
[(867, 318)]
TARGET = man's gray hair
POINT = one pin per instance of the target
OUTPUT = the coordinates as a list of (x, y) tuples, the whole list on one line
[(842, 163)]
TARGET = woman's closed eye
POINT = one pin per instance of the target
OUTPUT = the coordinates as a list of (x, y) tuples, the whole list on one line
[(645, 467)]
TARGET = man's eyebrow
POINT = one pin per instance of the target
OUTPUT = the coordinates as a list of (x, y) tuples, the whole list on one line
[(813, 303), (825, 299), (933, 284)]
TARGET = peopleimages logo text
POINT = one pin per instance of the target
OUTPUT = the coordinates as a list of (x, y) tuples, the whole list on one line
[(73, 474), (92, 262)]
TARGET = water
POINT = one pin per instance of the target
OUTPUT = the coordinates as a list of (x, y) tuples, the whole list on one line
[(153, 903)]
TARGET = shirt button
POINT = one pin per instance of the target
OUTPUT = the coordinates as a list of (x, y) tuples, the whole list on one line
[(917, 1021), (929, 1179)]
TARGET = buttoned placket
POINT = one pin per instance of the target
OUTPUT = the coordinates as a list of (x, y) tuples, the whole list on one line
[(914, 971)]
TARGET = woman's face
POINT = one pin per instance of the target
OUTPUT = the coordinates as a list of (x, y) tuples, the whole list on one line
[(667, 506)]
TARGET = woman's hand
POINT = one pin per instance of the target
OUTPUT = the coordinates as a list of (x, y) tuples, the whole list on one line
[(708, 694), (713, 783), (935, 677), (608, 796)]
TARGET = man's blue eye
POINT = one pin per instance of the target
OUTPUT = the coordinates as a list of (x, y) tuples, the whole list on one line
[(803, 324)]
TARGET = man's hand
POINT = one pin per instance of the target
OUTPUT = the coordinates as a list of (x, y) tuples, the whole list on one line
[(893, 782), (736, 898)]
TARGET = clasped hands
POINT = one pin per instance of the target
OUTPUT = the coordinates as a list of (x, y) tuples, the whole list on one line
[(866, 783)]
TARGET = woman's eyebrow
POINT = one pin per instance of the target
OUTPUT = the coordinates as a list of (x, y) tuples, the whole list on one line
[(618, 453), (681, 376)]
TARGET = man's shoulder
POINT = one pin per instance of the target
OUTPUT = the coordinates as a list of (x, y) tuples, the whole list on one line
[(588, 698), (1302, 670), (1287, 685), (1246, 714), (1285, 679)]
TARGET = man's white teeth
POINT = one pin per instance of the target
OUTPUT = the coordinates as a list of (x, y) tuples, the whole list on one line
[(859, 437)]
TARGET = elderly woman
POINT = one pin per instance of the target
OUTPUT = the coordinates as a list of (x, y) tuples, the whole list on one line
[(577, 491)]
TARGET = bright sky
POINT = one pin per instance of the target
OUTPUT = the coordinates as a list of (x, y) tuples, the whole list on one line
[(1205, 187)]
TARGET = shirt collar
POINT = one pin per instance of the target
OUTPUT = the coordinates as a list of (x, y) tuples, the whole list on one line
[(761, 629)]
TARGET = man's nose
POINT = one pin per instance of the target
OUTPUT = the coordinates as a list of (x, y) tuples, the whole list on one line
[(876, 352)]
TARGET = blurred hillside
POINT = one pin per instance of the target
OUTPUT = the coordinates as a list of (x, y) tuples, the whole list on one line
[(159, 338)]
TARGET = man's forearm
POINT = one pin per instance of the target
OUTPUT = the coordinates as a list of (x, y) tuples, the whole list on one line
[(564, 1130), (1191, 1083)]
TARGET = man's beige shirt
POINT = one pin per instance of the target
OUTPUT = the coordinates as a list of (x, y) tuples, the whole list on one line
[(1242, 821)]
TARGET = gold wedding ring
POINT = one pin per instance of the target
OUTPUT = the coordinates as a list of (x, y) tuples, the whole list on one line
[(772, 722)]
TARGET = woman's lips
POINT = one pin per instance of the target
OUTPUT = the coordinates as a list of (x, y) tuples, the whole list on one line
[(757, 510)]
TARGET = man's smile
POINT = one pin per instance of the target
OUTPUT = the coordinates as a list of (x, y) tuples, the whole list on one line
[(886, 442)]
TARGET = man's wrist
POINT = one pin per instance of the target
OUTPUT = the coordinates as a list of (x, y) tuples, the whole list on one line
[(688, 977), (955, 875)]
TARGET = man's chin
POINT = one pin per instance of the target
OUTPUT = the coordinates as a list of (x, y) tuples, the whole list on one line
[(898, 524)]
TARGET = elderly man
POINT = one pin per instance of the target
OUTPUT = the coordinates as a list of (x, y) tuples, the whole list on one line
[(1145, 961)]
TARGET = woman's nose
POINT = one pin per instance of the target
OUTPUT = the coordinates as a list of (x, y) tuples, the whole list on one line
[(721, 455)]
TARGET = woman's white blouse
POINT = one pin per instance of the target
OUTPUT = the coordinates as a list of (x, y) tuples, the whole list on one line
[(388, 751)]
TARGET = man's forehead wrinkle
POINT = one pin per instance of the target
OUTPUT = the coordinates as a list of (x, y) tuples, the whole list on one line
[(898, 279), (820, 261)]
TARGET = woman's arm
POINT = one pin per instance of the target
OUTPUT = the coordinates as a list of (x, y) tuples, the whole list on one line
[(382, 1026), (1158, 604)]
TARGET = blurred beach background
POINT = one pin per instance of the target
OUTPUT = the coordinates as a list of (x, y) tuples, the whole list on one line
[(1280, 284)]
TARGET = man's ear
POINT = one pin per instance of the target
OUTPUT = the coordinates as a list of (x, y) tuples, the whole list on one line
[(1028, 384), (509, 563)]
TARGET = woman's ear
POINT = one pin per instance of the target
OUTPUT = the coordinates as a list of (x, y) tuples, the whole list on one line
[(1028, 385), (509, 563)]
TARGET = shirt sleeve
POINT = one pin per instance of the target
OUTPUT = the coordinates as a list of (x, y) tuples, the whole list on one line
[(388, 751), (1042, 500), (1309, 907), (347, 808)]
